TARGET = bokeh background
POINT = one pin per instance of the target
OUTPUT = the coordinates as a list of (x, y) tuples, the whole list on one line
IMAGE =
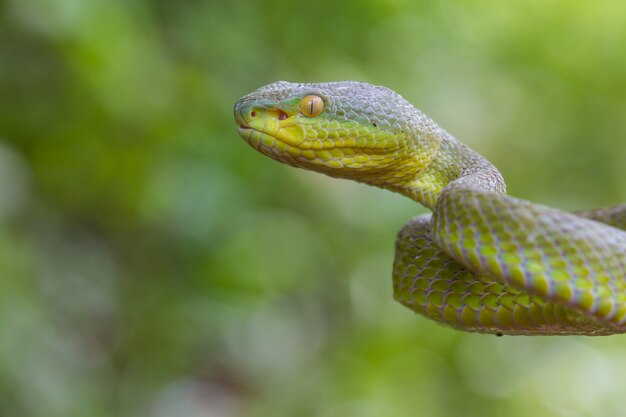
[(152, 264)]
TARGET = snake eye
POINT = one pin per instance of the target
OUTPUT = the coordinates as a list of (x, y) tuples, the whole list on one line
[(312, 105)]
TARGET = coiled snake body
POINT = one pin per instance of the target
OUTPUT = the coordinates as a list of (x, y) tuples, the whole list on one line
[(484, 261)]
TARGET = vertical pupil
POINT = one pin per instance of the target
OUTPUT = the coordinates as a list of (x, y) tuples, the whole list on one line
[(312, 105)]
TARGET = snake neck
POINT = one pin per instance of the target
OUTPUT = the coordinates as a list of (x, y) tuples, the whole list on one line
[(454, 165)]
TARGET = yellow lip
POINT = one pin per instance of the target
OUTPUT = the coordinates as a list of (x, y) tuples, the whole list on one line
[(258, 138)]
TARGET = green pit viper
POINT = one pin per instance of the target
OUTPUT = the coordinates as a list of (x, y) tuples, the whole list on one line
[(483, 261)]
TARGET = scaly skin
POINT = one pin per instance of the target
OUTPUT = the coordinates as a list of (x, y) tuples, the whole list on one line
[(484, 262)]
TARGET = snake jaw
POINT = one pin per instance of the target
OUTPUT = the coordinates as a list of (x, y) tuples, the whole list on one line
[(343, 157)]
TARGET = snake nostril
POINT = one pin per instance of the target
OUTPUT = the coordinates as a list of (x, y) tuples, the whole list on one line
[(253, 114), (282, 115)]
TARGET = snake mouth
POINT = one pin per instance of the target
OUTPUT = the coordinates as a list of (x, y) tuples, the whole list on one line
[(259, 138), (285, 134), (339, 160)]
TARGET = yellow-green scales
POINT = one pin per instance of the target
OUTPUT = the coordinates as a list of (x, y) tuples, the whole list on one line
[(484, 261)]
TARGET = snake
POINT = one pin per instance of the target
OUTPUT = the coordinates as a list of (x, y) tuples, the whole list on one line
[(481, 260)]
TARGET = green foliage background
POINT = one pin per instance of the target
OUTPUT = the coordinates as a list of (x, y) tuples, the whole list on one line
[(152, 264)]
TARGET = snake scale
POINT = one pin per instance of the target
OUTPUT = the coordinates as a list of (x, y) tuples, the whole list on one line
[(483, 261)]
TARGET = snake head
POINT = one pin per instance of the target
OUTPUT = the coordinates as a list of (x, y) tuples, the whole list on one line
[(343, 129)]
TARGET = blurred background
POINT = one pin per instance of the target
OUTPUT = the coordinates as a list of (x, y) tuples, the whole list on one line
[(153, 264)]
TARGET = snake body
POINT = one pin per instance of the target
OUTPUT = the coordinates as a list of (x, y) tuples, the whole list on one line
[(483, 261)]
